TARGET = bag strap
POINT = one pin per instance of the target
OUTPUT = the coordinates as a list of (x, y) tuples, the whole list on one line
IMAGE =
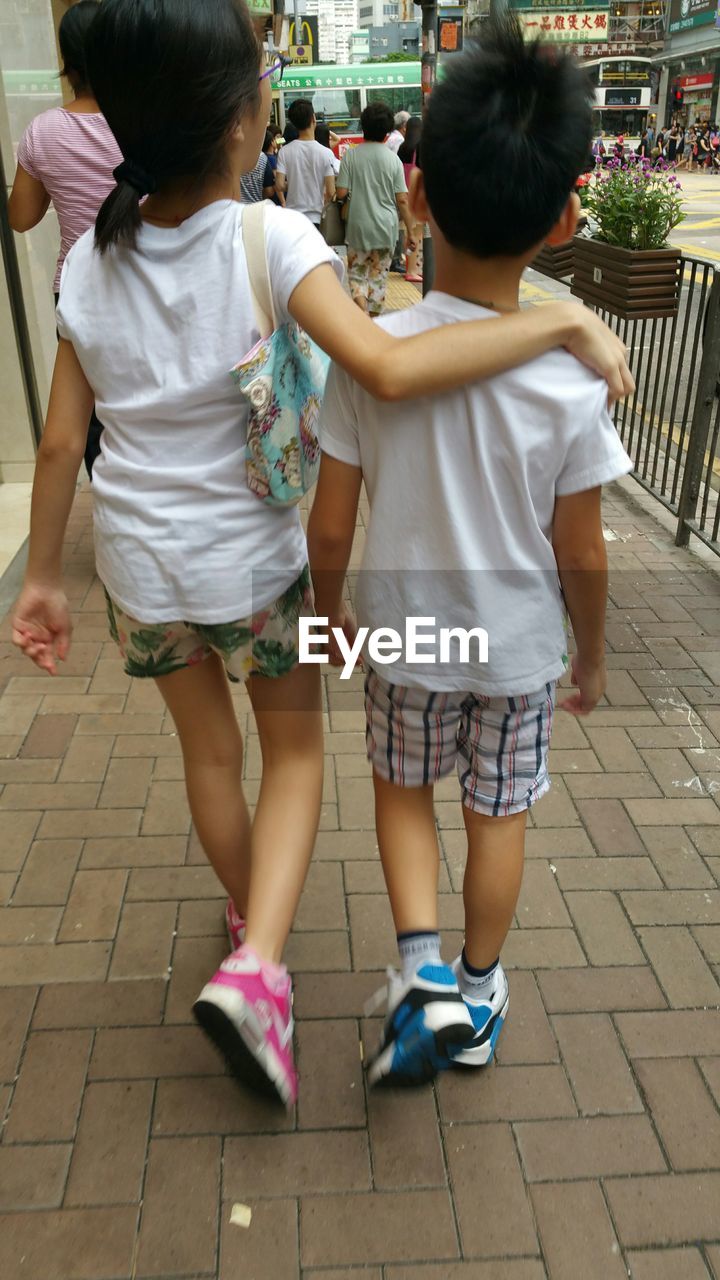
[(253, 233)]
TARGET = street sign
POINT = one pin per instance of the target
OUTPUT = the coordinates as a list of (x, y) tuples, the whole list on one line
[(301, 55), (581, 26)]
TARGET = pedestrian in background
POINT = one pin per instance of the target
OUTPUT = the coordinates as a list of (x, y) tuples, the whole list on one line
[(396, 137), (325, 138), (408, 156), (371, 175), (259, 183), (66, 159), (305, 178)]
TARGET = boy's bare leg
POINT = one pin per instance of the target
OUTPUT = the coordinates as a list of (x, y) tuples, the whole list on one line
[(409, 852), (493, 875)]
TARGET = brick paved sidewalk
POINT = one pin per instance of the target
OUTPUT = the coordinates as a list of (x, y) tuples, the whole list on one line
[(590, 1151)]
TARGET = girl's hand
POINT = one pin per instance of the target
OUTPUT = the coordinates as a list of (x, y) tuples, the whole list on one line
[(596, 346), (41, 625), (589, 679), (345, 622)]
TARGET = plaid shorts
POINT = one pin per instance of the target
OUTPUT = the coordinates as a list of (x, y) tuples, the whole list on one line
[(499, 746), (266, 644), (368, 276)]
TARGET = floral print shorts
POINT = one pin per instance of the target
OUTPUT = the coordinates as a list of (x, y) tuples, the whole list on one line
[(265, 644), (368, 276)]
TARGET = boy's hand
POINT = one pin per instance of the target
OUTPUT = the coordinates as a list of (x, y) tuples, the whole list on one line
[(41, 625), (589, 679), (596, 346), (345, 621)]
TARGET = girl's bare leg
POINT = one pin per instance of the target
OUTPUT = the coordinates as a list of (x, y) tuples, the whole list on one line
[(288, 713), (199, 702)]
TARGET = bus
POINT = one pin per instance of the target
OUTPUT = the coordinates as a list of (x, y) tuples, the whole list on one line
[(340, 93), (623, 94)]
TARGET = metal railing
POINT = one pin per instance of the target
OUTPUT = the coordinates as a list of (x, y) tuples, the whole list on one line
[(670, 426)]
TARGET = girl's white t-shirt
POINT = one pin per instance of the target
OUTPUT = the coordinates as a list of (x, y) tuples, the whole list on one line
[(157, 329)]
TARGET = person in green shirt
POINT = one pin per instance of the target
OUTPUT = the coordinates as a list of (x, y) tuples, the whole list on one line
[(371, 177)]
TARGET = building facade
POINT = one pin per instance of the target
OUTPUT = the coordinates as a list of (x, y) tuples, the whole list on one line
[(378, 42), (690, 62), (337, 19)]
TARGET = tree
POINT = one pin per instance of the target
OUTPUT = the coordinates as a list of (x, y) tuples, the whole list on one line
[(395, 57)]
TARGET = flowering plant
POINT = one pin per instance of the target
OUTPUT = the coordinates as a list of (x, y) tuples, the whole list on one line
[(634, 204)]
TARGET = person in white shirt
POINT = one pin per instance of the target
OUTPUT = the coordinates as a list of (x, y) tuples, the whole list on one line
[(305, 174), (396, 138), (202, 580), (484, 526)]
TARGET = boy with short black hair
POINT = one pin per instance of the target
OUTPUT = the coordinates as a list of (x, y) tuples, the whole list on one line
[(304, 176), (484, 514)]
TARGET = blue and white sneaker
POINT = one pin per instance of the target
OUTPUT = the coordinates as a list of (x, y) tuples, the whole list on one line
[(425, 1015), (488, 1019)]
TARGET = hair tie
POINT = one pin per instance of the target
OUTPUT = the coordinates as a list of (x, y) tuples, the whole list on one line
[(136, 177)]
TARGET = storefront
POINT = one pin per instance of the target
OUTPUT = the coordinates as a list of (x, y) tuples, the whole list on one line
[(692, 61)]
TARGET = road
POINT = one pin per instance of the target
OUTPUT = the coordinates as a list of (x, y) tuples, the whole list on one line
[(699, 234)]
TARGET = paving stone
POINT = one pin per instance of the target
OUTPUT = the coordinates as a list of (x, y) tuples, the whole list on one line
[(216, 1105), (16, 1007), (77, 961), (172, 883), (86, 759), (667, 1264), (610, 828), (49, 1090), (613, 786), (18, 832), (676, 859), (675, 1033), (556, 842), (179, 1226), (599, 1073), (142, 1053), (678, 963), (127, 783), (606, 935), (322, 906), (559, 1150), (676, 906), (268, 1250), (93, 906), (28, 925), (381, 1226), (690, 1132), (494, 1214), (33, 1177), (664, 813), (48, 873), (332, 995), (542, 949), (144, 941), (677, 1209), (505, 1093), (541, 903), (404, 1139), (49, 736), (527, 1036), (595, 990), (606, 873), (79, 823), (73, 1244), (194, 962), (52, 795), (318, 952), (99, 1004), (713, 1254), (516, 1269), (295, 1164), (109, 1155), (328, 1062), (576, 1232)]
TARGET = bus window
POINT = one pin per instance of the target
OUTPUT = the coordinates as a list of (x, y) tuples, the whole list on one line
[(337, 108), (408, 98)]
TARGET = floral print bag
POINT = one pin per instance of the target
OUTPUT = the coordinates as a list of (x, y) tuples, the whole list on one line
[(283, 378)]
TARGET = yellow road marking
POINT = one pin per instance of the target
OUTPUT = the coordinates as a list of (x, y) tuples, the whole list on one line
[(701, 226)]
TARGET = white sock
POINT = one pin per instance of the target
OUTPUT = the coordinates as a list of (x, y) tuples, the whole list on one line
[(478, 984)]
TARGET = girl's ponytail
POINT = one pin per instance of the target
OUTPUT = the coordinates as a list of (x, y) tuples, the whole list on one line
[(119, 218)]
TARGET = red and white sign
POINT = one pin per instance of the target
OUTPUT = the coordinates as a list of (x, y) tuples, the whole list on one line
[(576, 27), (696, 82)]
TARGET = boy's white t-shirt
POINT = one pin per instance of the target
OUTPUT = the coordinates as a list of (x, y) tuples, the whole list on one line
[(157, 329), (306, 164), (462, 488)]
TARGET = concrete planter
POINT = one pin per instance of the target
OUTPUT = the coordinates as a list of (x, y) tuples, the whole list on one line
[(634, 284)]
